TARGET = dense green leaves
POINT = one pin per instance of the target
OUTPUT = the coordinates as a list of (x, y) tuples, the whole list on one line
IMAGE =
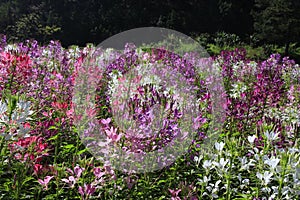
[(79, 22), (277, 21)]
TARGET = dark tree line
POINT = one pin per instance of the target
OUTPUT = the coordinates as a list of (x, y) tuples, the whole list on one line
[(83, 21)]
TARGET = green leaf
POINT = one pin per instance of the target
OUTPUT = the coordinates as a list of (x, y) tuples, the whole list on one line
[(69, 146), (53, 137), (27, 179), (81, 152), (161, 181), (52, 128)]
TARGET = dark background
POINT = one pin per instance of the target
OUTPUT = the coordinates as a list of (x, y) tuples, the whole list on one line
[(78, 22)]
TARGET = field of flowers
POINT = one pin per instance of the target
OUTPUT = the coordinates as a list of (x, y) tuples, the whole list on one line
[(44, 154)]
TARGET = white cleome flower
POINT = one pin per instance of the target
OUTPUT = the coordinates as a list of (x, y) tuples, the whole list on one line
[(271, 135), (272, 162), (237, 89), (251, 138), (219, 146)]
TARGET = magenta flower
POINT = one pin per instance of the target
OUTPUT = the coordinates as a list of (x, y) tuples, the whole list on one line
[(78, 170), (198, 122), (86, 190), (106, 121), (174, 194), (71, 181), (112, 134), (98, 172), (45, 182)]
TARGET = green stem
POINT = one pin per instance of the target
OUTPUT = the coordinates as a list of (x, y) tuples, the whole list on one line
[(55, 151), (1, 150), (282, 176), (228, 188), (228, 175), (11, 78)]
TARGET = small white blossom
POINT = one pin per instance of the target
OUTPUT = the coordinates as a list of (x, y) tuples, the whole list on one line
[(245, 164), (11, 47), (207, 164), (237, 89), (273, 162), (251, 138), (265, 178), (219, 146), (205, 180), (3, 108), (246, 181), (271, 135), (222, 163)]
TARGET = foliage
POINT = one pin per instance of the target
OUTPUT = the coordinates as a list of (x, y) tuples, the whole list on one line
[(80, 22), (277, 21)]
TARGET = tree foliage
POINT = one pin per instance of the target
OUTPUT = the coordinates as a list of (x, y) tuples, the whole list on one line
[(277, 21), (80, 22)]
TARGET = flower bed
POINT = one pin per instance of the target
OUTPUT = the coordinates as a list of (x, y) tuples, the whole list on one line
[(44, 154)]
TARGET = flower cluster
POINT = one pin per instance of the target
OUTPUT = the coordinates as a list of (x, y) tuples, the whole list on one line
[(147, 94), (260, 93), (223, 170)]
